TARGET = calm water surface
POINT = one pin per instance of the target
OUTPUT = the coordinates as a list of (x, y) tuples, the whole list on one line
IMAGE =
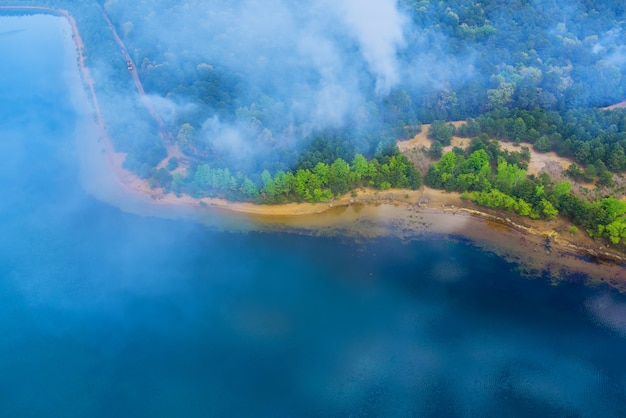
[(104, 313)]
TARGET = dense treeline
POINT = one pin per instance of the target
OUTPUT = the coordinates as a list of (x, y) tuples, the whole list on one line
[(565, 56), (603, 218), (595, 139), (533, 83), (561, 58), (321, 183), (320, 174), (497, 179), (258, 104)]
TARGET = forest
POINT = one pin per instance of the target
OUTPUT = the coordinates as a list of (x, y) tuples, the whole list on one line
[(296, 102), (497, 179)]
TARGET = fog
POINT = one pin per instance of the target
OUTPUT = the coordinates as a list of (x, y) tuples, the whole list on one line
[(167, 317), (291, 69), (257, 80)]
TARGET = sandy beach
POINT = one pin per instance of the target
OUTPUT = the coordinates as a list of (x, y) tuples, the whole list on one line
[(537, 247), (408, 214)]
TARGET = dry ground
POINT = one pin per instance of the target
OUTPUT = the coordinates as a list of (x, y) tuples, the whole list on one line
[(420, 143)]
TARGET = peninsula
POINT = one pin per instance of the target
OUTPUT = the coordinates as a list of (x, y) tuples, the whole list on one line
[(383, 192)]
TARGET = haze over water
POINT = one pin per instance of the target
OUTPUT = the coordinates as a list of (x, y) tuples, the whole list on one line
[(105, 313)]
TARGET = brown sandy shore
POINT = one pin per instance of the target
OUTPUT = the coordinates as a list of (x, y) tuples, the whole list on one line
[(403, 213)]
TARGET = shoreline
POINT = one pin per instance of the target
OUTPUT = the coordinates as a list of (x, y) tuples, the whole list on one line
[(406, 214), (410, 215)]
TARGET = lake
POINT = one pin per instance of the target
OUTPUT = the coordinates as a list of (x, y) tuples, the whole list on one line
[(107, 312)]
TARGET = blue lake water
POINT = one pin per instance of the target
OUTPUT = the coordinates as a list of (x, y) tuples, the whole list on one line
[(105, 313)]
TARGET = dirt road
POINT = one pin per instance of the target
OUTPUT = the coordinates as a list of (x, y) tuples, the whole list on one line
[(164, 131)]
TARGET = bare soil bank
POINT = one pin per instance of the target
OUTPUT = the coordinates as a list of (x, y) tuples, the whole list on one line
[(538, 247)]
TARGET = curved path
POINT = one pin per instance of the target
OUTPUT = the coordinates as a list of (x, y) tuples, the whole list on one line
[(80, 46), (569, 251), (164, 131)]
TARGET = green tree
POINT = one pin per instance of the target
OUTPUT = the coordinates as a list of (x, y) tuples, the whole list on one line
[(269, 188), (339, 177), (547, 209), (436, 149), (185, 139), (617, 158), (442, 132), (508, 176), (616, 230), (542, 144), (322, 170), (359, 166), (249, 189), (561, 189)]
